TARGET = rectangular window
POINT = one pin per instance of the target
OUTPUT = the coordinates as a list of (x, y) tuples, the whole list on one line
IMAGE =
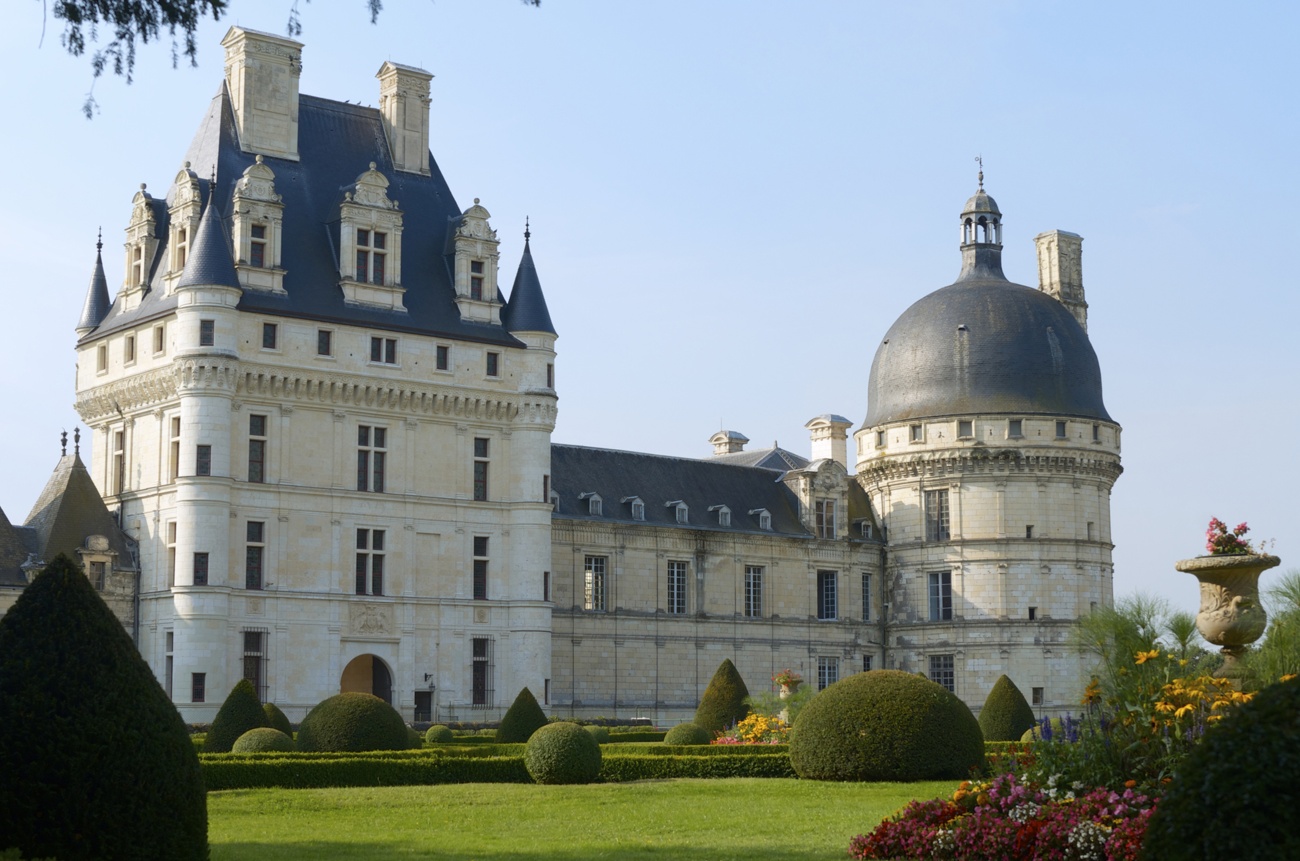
[(943, 672), (171, 553), (1033, 613), (1060, 430), (119, 461), (101, 359), (383, 350), (476, 279), (324, 342), (546, 585), (550, 375), (370, 562), (1092, 531), (593, 589), (827, 597), (257, 449), (159, 339), (200, 569), (255, 661), (480, 469), (207, 333), (481, 684), (98, 572), (880, 439), (828, 672), (866, 663), (825, 518), (371, 256), (916, 433), (129, 349), (866, 597), (677, 587), (493, 364), (443, 355), (169, 672), (137, 266), (203, 460), (174, 450), (965, 429), (257, 246), (753, 592), (254, 554), (546, 488), (198, 687), (1096, 433), (1015, 428), (1037, 694), (940, 596), (936, 515), (270, 336), (372, 458), (1029, 531), (182, 247), (546, 692), (480, 568)]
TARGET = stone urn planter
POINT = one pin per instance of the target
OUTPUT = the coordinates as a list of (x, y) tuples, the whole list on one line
[(1231, 615)]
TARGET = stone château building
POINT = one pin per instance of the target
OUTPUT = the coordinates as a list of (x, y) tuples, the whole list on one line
[(323, 430)]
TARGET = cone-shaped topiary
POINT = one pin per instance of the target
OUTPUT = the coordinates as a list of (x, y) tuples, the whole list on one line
[(352, 722), (1006, 715), (240, 712), (885, 725), (562, 753), (723, 703), (438, 734), (687, 733), (1235, 795), (277, 719), (95, 762), (523, 718), (261, 740)]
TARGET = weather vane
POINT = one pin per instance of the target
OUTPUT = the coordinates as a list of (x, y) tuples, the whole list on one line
[(980, 160)]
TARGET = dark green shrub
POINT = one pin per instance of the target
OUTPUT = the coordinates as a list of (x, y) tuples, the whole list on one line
[(523, 718), (95, 762), (277, 719), (636, 736), (414, 740), (262, 739), (599, 733), (886, 725), (562, 753), (352, 722), (617, 768), (688, 733), (1006, 715), (1235, 795), (379, 768), (240, 712), (723, 703), (438, 734)]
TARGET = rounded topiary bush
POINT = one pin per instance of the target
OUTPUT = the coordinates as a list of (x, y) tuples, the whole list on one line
[(521, 720), (438, 734), (352, 722), (263, 739), (723, 704), (277, 719), (885, 725), (562, 753), (240, 712), (1006, 714), (1235, 795), (599, 733), (687, 733)]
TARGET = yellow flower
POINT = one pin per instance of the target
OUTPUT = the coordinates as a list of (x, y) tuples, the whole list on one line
[(1143, 657), (1288, 677)]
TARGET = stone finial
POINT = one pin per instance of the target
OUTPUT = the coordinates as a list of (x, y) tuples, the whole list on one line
[(63, 441)]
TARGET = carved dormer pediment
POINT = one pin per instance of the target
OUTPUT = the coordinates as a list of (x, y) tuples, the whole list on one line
[(370, 189), (183, 215), (141, 246), (475, 255), (258, 229), (370, 244)]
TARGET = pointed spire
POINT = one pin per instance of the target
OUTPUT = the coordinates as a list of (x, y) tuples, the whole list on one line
[(526, 311), (209, 263), (97, 302)]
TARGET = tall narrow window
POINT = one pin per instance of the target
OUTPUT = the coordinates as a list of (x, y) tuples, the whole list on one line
[(943, 672), (207, 333), (936, 515), (255, 661), (940, 596), (198, 687), (203, 460), (677, 587), (1037, 696), (370, 561), (828, 606), (493, 364), (866, 597), (550, 375), (129, 349), (257, 449), (443, 357), (753, 592), (372, 457), (200, 569), (324, 342), (476, 279), (1060, 430), (383, 350), (101, 359), (159, 339), (480, 468), (372, 249), (174, 449), (866, 663), (480, 567), (171, 553), (1096, 433), (828, 672), (169, 662), (1092, 531), (825, 518), (182, 248), (119, 461), (546, 585), (546, 488), (593, 589), (137, 266), (270, 336), (481, 682), (254, 554), (257, 246), (98, 574)]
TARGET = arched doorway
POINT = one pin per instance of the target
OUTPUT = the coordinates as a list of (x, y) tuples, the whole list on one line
[(369, 675)]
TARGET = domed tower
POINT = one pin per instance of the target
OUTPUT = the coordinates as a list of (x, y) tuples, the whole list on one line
[(989, 457)]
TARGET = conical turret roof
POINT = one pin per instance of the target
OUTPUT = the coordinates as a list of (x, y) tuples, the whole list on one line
[(209, 263), (97, 301), (526, 311)]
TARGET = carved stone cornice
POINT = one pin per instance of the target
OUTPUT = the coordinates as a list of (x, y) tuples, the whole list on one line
[(138, 391), (993, 463)]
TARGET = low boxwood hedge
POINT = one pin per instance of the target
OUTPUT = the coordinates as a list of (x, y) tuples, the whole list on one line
[(618, 768), (636, 735)]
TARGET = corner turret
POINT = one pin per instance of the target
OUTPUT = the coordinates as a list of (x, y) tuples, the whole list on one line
[(97, 301), (526, 309)]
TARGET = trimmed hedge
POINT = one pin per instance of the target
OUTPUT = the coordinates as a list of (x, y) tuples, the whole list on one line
[(636, 735), (663, 749), (240, 712), (1006, 713), (277, 719), (723, 704), (438, 734), (522, 719), (599, 733), (620, 767), (562, 753), (353, 722), (688, 733), (263, 739)]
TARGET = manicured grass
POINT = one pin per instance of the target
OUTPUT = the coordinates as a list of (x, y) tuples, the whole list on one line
[(695, 820)]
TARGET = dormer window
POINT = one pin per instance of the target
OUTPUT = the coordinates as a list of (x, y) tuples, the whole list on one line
[(257, 221), (594, 503), (764, 518), (370, 244), (476, 279), (257, 246), (182, 247), (681, 510), (137, 266), (724, 514), (638, 507), (473, 244), (372, 255)]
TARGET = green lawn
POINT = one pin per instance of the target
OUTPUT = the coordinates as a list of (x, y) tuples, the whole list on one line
[(696, 820)]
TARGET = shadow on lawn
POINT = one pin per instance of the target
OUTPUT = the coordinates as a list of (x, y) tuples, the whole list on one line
[(320, 850)]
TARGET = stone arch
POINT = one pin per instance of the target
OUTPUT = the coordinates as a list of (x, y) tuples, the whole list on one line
[(370, 675)]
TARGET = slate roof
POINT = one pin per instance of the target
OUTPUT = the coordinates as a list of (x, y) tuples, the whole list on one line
[(69, 510), (526, 310), (336, 144), (13, 553), (767, 458), (97, 301), (209, 263)]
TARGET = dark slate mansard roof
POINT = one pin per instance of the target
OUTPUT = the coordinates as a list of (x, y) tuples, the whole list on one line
[(336, 144)]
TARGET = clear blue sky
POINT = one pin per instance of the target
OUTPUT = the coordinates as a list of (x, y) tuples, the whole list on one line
[(732, 201)]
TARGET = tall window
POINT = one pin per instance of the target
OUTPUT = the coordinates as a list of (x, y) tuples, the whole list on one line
[(753, 591), (372, 255), (943, 672), (480, 567), (203, 460), (257, 449), (383, 350), (169, 670), (940, 596), (482, 671), (442, 356), (372, 457), (825, 518), (119, 461), (1060, 430), (198, 687), (182, 246), (866, 597), (171, 553), (255, 661), (201, 569), (174, 450), (936, 515), (827, 595), (677, 587), (257, 246), (207, 333), (99, 573), (101, 358), (480, 468), (476, 279), (828, 672), (493, 364), (137, 266), (550, 375), (370, 561), (866, 663), (254, 554), (324, 342), (159, 339), (129, 349), (270, 336), (593, 590)]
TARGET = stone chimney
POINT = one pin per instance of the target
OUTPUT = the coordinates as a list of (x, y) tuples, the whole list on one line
[(404, 106), (830, 434), (1060, 271), (727, 442), (262, 73)]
